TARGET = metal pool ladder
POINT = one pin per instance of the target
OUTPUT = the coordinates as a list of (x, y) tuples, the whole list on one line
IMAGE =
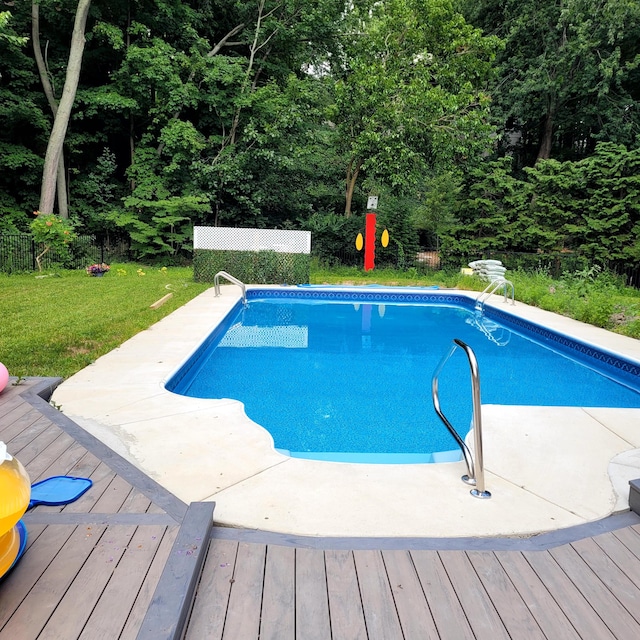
[(230, 278), (491, 288), (475, 467)]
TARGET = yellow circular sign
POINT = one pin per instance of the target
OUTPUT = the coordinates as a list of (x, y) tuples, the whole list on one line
[(359, 242), (384, 240)]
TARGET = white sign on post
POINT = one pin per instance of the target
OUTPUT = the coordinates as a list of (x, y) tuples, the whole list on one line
[(372, 202)]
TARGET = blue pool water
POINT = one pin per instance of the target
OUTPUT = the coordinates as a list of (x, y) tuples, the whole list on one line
[(350, 379)]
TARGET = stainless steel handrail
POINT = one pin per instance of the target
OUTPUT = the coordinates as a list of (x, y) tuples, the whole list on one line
[(475, 467), (492, 287), (230, 278)]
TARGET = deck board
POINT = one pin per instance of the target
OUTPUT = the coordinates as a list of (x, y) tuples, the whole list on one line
[(91, 577), (574, 605), (277, 619), (345, 603), (591, 586), (415, 616), (449, 616), (116, 601), (518, 620), (212, 597), (146, 591), (92, 568), (380, 612), (245, 600), (312, 601), (539, 602)]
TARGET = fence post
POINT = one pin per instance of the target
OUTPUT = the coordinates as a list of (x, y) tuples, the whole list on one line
[(33, 254)]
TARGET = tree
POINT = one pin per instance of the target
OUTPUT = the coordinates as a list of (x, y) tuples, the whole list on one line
[(51, 232), (412, 93), (6, 33), (568, 76), (61, 121), (61, 180)]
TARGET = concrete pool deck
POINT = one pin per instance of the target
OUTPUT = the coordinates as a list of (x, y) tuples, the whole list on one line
[(547, 467)]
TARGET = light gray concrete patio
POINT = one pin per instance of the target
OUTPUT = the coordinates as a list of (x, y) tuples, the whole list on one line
[(546, 467)]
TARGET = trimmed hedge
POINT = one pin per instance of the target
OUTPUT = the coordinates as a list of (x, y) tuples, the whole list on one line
[(252, 267)]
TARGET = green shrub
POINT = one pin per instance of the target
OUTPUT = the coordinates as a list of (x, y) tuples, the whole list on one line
[(252, 267)]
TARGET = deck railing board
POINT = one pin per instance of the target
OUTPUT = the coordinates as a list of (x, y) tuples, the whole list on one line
[(277, 617), (345, 604)]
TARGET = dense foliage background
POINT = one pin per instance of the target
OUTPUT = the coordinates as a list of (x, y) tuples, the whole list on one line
[(486, 125)]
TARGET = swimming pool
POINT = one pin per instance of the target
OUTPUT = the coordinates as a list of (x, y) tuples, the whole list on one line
[(343, 375), (206, 449)]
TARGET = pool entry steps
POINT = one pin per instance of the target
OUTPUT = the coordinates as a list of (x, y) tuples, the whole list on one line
[(475, 467)]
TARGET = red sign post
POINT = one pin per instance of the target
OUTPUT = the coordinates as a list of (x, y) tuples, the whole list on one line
[(370, 242)]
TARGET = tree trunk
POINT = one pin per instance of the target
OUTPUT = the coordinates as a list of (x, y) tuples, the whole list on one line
[(61, 120), (352, 177), (63, 205), (544, 152)]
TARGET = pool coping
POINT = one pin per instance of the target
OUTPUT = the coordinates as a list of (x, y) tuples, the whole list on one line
[(219, 454)]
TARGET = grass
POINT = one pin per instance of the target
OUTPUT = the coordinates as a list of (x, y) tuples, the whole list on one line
[(57, 324)]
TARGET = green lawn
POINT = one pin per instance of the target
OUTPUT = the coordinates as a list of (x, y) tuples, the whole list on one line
[(58, 324)]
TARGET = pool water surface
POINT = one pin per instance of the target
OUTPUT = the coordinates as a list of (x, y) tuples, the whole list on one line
[(350, 380)]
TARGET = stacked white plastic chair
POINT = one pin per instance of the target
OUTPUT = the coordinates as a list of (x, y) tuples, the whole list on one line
[(489, 270)]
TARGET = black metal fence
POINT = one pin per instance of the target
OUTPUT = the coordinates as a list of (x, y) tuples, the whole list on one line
[(553, 264), (18, 253)]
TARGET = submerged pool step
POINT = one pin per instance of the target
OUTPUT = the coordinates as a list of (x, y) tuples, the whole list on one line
[(376, 458)]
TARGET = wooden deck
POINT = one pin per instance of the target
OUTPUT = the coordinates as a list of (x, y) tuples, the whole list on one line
[(129, 560)]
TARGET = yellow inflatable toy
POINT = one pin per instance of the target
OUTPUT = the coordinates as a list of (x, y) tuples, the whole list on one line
[(15, 493)]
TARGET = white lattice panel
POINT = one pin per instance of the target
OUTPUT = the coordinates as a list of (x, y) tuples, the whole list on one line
[(231, 239)]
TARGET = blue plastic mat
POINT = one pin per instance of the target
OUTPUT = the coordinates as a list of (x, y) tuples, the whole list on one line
[(58, 490)]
